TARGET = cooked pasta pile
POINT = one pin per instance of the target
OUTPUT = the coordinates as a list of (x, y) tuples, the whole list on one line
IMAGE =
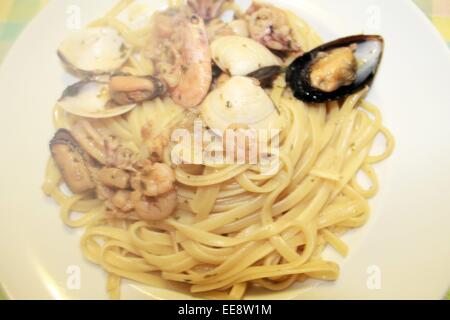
[(235, 227)]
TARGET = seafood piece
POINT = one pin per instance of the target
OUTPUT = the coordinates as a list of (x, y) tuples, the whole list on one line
[(122, 201), (165, 45), (153, 209), (118, 156), (240, 101), (239, 27), (181, 56), (157, 145), (105, 149), (103, 192), (270, 26), (119, 205), (94, 51), (165, 22), (126, 90), (196, 76), (206, 9), (113, 177), (241, 56), (91, 99), (72, 161), (90, 140), (154, 180), (336, 69)]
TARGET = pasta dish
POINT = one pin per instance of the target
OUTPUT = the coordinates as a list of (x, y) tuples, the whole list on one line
[(212, 149)]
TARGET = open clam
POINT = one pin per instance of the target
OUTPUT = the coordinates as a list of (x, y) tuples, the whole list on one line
[(91, 99), (336, 69), (97, 99), (240, 56), (94, 51), (240, 101)]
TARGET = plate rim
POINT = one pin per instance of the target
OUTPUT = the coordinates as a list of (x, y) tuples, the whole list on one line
[(29, 25)]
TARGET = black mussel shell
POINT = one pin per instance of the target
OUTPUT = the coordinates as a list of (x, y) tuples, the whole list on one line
[(266, 75), (298, 73)]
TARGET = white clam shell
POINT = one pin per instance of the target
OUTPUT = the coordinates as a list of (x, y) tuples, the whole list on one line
[(239, 27), (240, 56), (240, 101), (91, 99), (94, 50)]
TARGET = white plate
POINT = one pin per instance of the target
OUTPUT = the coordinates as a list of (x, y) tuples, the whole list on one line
[(407, 239)]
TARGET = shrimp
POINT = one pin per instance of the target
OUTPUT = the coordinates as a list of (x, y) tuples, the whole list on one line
[(113, 177), (150, 193), (207, 9), (163, 49), (157, 145), (158, 208), (153, 181), (166, 21), (122, 200), (103, 192), (181, 56), (196, 75), (270, 26), (119, 205)]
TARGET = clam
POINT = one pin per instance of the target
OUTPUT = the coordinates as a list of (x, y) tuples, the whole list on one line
[(94, 51), (240, 56), (336, 69), (240, 101), (91, 99), (239, 27), (101, 99)]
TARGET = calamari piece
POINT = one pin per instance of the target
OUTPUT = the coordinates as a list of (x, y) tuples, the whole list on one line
[(207, 9), (270, 26)]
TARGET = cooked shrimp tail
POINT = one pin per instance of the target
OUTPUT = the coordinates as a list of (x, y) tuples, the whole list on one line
[(158, 208), (196, 75)]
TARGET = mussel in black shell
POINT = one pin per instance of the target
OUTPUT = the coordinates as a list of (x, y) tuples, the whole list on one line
[(336, 69)]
